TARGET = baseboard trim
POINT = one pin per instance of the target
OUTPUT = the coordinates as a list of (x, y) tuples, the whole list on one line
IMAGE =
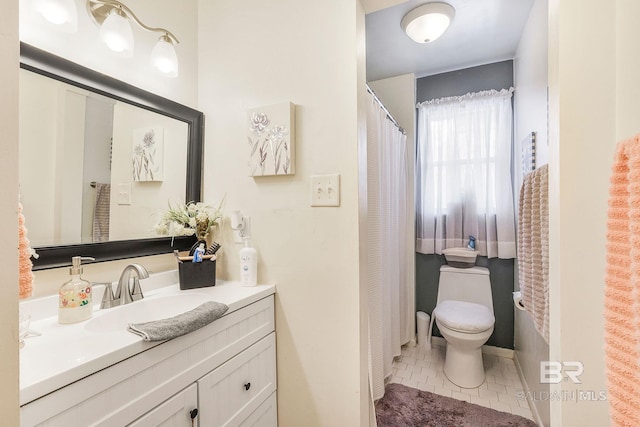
[(527, 391), (486, 349)]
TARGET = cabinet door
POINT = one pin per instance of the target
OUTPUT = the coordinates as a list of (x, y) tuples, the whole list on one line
[(230, 394), (174, 412)]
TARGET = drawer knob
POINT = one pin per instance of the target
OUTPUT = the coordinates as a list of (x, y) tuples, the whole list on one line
[(193, 413), (247, 386)]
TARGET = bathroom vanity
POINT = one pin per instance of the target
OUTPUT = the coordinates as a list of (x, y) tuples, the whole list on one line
[(98, 373)]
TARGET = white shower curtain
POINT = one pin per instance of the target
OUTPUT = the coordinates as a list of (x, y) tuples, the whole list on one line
[(391, 301)]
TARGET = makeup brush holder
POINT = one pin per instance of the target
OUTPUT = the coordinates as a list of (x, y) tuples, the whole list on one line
[(194, 275)]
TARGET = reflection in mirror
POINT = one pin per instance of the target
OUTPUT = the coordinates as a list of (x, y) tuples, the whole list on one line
[(99, 160), (93, 169)]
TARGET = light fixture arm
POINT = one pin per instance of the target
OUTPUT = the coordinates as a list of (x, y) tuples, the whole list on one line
[(100, 9)]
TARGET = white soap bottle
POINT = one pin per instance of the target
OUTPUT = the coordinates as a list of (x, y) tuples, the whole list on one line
[(74, 299), (248, 265)]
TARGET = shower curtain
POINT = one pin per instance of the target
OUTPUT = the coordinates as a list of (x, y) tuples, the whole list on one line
[(390, 298)]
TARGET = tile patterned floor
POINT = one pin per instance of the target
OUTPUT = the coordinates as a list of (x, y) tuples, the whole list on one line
[(502, 389)]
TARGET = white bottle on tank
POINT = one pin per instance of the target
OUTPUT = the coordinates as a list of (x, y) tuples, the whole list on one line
[(248, 265)]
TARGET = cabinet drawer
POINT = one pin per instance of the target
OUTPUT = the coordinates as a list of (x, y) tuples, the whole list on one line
[(175, 412), (233, 392)]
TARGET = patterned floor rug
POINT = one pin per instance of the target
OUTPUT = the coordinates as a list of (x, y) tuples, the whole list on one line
[(404, 406)]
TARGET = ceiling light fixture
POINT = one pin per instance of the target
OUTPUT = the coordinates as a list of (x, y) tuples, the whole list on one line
[(428, 22), (62, 13), (113, 18)]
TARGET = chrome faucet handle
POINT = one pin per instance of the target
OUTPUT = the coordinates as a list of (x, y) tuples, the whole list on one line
[(125, 293), (108, 299), (136, 292)]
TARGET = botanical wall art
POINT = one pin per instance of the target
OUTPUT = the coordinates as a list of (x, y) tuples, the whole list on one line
[(271, 138), (148, 154)]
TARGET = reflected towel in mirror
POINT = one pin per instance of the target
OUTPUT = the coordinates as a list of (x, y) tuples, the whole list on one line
[(101, 213)]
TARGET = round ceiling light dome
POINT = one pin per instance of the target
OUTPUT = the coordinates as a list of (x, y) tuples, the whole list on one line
[(428, 22)]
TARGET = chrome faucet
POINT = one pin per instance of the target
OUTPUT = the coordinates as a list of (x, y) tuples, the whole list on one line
[(128, 289)]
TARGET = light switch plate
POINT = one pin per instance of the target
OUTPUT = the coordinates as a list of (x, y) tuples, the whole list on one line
[(325, 190), (124, 194)]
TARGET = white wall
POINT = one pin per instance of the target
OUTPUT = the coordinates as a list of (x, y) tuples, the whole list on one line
[(9, 52), (530, 113), (312, 54), (582, 137), (375, 5), (627, 69), (530, 80), (85, 48)]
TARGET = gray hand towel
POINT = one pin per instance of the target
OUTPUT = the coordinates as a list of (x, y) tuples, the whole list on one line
[(165, 329)]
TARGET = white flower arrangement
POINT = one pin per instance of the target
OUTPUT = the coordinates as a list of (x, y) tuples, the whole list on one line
[(187, 220)]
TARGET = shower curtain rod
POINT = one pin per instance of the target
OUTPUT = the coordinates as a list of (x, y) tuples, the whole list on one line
[(389, 116)]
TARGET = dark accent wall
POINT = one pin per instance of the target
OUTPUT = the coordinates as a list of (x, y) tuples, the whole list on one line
[(496, 76), (501, 275), (485, 77)]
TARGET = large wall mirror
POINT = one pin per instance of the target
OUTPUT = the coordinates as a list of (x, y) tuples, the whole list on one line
[(99, 161)]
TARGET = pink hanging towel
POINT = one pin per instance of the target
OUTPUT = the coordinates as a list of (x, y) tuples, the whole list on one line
[(622, 291)]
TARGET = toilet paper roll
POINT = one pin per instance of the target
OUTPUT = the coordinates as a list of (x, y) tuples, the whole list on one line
[(517, 300)]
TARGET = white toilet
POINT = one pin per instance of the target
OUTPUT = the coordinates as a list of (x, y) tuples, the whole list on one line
[(464, 315)]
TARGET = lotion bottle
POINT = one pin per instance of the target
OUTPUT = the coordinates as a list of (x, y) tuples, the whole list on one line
[(74, 299), (248, 265)]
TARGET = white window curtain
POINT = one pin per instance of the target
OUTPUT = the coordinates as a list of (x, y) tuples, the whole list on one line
[(463, 174), (390, 298)]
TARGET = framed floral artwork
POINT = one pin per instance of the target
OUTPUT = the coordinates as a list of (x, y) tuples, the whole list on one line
[(148, 154), (271, 138)]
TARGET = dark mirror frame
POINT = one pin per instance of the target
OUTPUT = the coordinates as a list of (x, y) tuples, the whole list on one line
[(49, 65)]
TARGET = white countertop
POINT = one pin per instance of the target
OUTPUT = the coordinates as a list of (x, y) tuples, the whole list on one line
[(63, 354)]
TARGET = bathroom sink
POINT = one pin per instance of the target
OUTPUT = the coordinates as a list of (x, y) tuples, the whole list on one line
[(145, 310), (460, 257)]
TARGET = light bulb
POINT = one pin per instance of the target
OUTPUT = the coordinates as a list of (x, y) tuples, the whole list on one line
[(62, 13), (164, 58), (116, 33)]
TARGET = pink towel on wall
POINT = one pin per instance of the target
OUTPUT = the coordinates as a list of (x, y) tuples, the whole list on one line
[(622, 289)]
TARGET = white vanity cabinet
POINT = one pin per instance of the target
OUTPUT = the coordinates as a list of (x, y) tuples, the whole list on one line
[(226, 370)]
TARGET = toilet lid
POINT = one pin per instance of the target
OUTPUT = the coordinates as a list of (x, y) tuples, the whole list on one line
[(464, 316)]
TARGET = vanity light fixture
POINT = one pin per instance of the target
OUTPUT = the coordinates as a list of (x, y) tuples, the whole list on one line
[(62, 13), (428, 22), (114, 19)]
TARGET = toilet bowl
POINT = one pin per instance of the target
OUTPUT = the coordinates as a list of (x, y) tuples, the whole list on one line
[(464, 315), (466, 327)]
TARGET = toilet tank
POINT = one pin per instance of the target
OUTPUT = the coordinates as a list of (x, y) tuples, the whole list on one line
[(465, 284)]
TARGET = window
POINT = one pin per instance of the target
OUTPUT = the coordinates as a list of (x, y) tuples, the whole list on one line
[(463, 171)]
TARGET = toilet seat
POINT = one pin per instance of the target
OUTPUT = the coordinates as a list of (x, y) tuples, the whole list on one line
[(463, 316)]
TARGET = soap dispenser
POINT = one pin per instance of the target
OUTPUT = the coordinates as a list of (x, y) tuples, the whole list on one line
[(248, 265), (74, 298)]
